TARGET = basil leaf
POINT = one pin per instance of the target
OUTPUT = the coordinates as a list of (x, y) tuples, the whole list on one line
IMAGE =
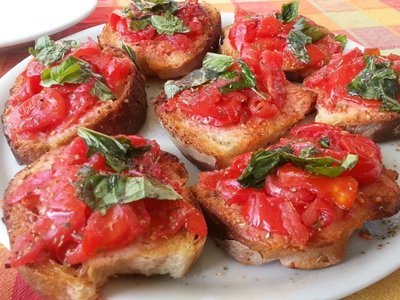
[(334, 171), (314, 32), (247, 80), (168, 24), (69, 71), (137, 25), (156, 5), (193, 79), (325, 142), (131, 54), (117, 151), (297, 41), (264, 162), (48, 52), (289, 11), (217, 62), (308, 151), (341, 38), (100, 192), (377, 81), (101, 91)]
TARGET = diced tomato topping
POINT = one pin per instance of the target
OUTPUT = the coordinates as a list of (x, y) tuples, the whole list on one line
[(269, 33), (67, 231), (294, 202), (191, 14), (41, 111)]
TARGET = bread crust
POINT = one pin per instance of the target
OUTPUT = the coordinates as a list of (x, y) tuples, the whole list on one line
[(376, 125), (252, 246), (124, 115), (175, 64), (173, 256), (216, 146)]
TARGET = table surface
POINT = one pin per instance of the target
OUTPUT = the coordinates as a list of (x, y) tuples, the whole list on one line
[(372, 23)]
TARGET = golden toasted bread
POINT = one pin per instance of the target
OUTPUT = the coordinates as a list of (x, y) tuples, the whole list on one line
[(125, 115), (210, 147), (173, 255), (176, 62), (251, 246)]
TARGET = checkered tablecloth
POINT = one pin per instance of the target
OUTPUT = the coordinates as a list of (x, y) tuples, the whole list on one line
[(372, 23)]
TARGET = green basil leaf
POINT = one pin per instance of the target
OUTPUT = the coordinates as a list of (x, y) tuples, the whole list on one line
[(264, 162), (102, 91), (168, 24), (48, 52), (289, 11), (325, 142), (69, 71), (218, 62), (334, 171), (314, 32), (247, 80), (308, 151), (100, 192), (341, 38), (117, 151), (137, 25), (193, 79), (156, 5), (297, 41), (131, 54), (379, 82)]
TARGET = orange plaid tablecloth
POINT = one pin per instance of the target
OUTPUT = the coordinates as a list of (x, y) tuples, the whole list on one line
[(372, 23)]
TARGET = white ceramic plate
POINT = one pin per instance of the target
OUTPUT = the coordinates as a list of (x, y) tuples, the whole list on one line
[(216, 276), (24, 21)]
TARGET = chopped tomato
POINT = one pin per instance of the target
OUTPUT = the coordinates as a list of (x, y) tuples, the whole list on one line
[(319, 214), (372, 51), (117, 228), (41, 111), (342, 190), (263, 212), (27, 249)]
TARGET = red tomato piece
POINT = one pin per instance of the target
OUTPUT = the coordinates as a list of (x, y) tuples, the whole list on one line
[(319, 214), (40, 112), (291, 220), (269, 26), (118, 227), (264, 212)]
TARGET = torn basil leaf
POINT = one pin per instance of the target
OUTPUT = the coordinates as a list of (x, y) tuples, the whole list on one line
[(193, 79), (168, 24), (100, 191), (218, 62), (156, 5), (342, 39), (379, 82), (296, 43), (102, 91), (48, 52), (117, 151), (289, 11), (69, 71), (314, 32), (325, 142), (264, 162), (137, 25), (131, 54)]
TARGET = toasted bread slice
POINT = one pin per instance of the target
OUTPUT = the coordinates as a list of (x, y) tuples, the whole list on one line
[(175, 63), (372, 123), (210, 147), (125, 115), (294, 69), (173, 255), (251, 246)]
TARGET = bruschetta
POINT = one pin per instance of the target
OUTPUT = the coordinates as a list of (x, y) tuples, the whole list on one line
[(169, 38), (359, 92), (99, 207), (303, 45), (230, 106), (66, 85), (300, 200)]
